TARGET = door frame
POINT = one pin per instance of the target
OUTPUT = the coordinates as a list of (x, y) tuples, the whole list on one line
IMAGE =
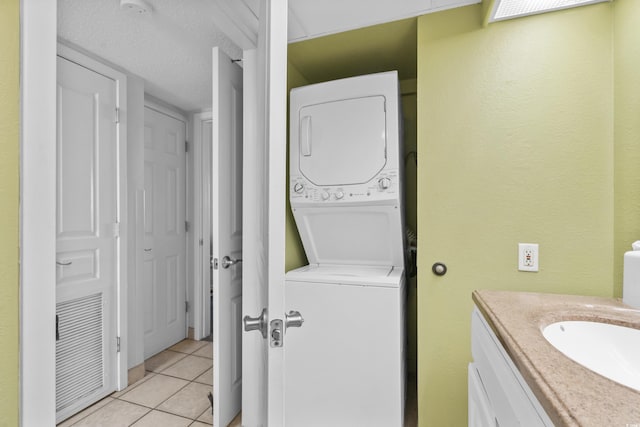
[(38, 35), (38, 76), (38, 98)]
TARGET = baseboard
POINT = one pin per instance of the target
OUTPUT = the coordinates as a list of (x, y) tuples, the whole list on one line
[(136, 373), (190, 333)]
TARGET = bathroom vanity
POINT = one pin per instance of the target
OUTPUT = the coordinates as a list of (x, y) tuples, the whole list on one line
[(518, 378)]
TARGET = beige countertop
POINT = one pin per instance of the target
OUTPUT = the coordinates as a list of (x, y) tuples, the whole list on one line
[(571, 394)]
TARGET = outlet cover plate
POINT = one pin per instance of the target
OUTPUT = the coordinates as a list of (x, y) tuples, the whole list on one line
[(528, 255)]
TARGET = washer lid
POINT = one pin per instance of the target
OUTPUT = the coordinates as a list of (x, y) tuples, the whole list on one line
[(357, 275), (347, 270), (352, 235), (343, 142)]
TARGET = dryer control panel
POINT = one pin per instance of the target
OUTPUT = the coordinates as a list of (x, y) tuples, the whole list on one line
[(385, 186)]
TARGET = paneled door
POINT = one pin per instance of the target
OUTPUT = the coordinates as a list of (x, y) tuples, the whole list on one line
[(86, 234), (226, 233), (164, 275)]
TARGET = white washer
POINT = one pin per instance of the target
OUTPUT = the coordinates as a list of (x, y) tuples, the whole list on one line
[(345, 365)]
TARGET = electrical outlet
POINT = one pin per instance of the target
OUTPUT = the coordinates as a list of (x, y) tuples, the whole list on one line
[(528, 256)]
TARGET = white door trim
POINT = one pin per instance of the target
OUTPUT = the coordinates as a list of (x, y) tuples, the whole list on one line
[(167, 111), (38, 36), (201, 226), (38, 211)]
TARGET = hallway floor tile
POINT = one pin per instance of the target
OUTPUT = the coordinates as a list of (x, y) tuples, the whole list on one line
[(173, 393)]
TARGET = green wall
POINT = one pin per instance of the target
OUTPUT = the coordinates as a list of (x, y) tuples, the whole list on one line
[(294, 252), (9, 196), (626, 130), (516, 144)]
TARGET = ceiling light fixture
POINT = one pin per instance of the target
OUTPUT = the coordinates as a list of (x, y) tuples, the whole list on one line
[(137, 7), (508, 9)]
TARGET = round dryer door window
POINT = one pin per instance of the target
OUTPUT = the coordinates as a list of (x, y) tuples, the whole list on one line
[(343, 142)]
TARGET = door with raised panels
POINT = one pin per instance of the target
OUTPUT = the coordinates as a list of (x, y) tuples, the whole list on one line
[(226, 233), (163, 288), (86, 233)]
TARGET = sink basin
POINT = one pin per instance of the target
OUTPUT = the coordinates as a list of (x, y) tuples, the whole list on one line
[(610, 350)]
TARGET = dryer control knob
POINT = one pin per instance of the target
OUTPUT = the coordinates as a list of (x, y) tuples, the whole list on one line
[(298, 187), (339, 195), (325, 195), (384, 183)]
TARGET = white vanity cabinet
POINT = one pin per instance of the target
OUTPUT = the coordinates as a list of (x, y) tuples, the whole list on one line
[(498, 394)]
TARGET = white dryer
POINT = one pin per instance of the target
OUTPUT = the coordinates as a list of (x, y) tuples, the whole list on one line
[(345, 365)]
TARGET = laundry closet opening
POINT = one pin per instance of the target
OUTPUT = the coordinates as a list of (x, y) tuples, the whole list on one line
[(380, 48)]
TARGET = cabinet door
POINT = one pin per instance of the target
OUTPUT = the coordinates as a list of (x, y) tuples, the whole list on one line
[(480, 412), (512, 401)]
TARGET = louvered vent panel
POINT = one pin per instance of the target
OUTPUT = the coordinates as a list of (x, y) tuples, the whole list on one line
[(79, 364)]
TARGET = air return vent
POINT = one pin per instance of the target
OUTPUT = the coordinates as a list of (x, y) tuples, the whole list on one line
[(79, 351), (507, 9)]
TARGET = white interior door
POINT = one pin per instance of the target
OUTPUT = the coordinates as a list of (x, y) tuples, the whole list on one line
[(164, 273), (264, 194), (86, 233), (227, 237), (276, 127), (255, 252), (202, 316)]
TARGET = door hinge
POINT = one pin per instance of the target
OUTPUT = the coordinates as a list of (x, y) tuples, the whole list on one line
[(117, 344), (117, 115), (186, 226), (186, 146), (116, 230), (186, 306)]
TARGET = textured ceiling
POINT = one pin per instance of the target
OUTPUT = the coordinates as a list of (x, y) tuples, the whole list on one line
[(312, 18), (169, 48)]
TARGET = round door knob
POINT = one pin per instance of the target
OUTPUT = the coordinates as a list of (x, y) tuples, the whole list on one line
[(439, 269), (339, 195), (325, 195), (298, 187), (384, 183)]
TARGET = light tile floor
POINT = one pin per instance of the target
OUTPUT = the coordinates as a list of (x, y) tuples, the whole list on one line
[(174, 393)]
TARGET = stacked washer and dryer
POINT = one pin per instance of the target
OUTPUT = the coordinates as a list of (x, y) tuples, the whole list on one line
[(345, 366)]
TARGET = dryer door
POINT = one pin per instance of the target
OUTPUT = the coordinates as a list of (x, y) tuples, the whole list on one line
[(343, 142)]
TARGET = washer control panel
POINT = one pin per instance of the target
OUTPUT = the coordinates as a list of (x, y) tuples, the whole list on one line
[(385, 186)]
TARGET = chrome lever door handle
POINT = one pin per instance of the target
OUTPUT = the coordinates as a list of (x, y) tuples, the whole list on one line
[(257, 323), (293, 319), (228, 262)]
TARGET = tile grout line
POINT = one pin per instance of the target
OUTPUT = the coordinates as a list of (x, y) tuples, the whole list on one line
[(157, 407), (155, 373)]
